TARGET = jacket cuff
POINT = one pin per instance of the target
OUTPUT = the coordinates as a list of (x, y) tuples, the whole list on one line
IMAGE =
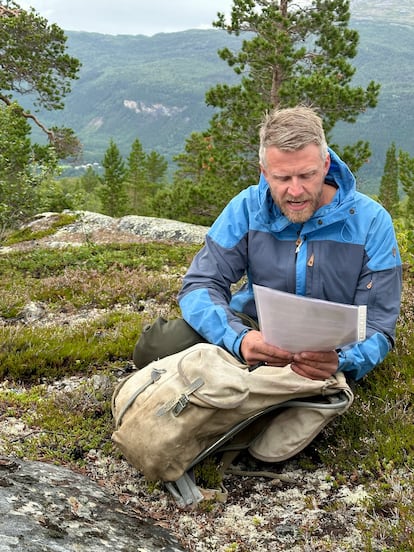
[(236, 346)]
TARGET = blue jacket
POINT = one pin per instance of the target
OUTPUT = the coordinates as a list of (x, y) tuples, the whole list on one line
[(347, 253)]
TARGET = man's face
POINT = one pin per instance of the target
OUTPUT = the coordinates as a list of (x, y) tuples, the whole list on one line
[(296, 181)]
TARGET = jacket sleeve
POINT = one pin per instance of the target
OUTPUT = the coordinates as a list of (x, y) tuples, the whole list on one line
[(379, 288), (206, 292)]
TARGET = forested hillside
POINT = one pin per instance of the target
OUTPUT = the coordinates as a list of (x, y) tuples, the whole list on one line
[(153, 88)]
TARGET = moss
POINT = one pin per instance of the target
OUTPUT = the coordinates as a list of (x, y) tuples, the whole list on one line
[(27, 233), (393, 518), (31, 354), (60, 427), (208, 473), (43, 262)]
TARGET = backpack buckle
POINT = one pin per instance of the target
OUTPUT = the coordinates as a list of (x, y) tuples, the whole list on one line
[(177, 405), (180, 405)]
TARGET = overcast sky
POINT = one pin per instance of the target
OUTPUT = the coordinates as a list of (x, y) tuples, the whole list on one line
[(129, 16)]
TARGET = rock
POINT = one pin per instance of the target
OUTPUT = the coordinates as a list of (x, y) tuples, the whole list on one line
[(32, 312), (151, 228), (162, 229), (100, 229), (46, 507)]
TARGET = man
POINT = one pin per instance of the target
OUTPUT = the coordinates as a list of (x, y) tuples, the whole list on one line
[(303, 229)]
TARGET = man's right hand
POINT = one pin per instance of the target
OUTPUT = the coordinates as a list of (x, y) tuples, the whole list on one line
[(256, 351)]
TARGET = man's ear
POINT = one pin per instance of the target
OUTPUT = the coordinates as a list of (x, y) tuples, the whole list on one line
[(327, 163)]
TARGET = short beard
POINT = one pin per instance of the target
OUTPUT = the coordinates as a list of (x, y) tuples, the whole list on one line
[(302, 216)]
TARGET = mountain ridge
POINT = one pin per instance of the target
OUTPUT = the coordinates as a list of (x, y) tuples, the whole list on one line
[(153, 89)]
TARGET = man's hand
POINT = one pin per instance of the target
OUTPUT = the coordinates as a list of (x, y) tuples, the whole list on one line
[(255, 351), (312, 365), (315, 365)]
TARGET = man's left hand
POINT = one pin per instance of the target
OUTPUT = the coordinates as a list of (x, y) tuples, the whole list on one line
[(315, 365)]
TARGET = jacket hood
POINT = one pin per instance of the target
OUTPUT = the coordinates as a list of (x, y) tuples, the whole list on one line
[(340, 174)]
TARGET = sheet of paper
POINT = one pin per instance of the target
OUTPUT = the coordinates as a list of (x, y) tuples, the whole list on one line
[(296, 323)]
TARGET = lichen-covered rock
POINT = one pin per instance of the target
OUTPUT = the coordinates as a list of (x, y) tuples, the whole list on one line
[(147, 227), (50, 508)]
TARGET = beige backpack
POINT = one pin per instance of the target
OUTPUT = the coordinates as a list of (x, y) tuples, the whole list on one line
[(169, 414)]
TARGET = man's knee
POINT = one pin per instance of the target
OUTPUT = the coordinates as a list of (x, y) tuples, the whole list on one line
[(164, 338)]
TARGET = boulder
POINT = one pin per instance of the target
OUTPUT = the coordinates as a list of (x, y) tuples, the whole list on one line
[(51, 508)]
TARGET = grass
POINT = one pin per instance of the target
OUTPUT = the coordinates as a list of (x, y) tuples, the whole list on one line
[(111, 291), (64, 427), (379, 428), (91, 276), (105, 278), (35, 354)]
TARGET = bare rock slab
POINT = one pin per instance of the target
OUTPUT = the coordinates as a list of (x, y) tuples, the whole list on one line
[(52, 509)]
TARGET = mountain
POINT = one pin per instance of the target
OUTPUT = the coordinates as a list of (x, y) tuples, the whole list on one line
[(153, 88)]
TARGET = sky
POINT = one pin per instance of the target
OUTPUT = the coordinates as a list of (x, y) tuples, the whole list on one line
[(132, 17)]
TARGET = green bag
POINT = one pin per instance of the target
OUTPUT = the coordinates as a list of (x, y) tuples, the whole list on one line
[(164, 338), (167, 337)]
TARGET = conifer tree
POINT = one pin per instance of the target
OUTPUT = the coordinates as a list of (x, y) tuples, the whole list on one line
[(112, 192), (136, 177), (406, 177), (89, 181), (298, 54), (17, 191), (144, 174), (294, 53), (34, 62), (388, 192), (157, 167)]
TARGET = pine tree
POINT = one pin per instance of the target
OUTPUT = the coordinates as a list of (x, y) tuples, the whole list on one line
[(34, 62), (388, 192), (89, 181), (137, 178), (112, 192), (144, 174), (156, 166), (298, 55), (406, 176), (17, 179), (293, 54)]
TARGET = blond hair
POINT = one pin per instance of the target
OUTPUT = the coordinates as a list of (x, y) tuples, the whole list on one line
[(291, 129)]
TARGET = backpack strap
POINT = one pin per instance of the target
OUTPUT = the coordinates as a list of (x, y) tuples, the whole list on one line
[(185, 491), (155, 376), (177, 404)]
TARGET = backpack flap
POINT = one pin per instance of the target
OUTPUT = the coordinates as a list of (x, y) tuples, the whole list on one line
[(162, 411)]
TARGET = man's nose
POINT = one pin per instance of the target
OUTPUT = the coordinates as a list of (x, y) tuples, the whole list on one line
[(295, 187)]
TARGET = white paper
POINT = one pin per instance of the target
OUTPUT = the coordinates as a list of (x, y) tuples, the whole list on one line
[(296, 323)]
